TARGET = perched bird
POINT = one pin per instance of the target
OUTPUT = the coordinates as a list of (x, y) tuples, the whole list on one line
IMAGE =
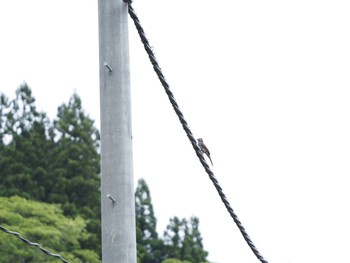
[(204, 148)]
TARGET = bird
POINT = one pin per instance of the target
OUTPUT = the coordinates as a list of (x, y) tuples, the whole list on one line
[(204, 149)]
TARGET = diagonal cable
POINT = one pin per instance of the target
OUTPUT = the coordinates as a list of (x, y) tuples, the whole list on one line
[(189, 134), (33, 244)]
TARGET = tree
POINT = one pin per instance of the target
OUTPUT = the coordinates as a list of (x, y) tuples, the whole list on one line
[(44, 224), (181, 243), (149, 246), (192, 246), (183, 240), (52, 162), (76, 166), (24, 146), (59, 163), (5, 108), (173, 237), (174, 260)]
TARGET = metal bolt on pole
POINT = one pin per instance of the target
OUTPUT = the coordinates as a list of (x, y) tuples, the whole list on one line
[(117, 189)]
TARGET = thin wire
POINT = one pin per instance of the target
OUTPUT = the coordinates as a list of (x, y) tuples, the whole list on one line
[(33, 244), (189, 134)]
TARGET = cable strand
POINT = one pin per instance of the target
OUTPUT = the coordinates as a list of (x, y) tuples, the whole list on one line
[(33, 244), (189, 134)]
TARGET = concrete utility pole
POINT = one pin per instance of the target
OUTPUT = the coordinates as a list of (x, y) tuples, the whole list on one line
[(117, 189)]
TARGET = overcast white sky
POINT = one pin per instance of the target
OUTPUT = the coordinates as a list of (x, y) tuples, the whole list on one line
[(265, 83)]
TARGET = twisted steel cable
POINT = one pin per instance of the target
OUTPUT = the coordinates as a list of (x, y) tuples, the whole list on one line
[(185, 126), (33, 244)]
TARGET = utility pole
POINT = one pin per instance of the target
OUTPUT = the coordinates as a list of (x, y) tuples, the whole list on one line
[(117, 182)]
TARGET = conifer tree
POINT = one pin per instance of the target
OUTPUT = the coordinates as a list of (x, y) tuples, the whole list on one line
[(59, 162), (55, 163), (149, 246), (76, 166), (24, 146), (173, 237), (192, 246), (183, 240)]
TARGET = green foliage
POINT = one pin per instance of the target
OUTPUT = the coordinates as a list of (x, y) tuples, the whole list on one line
[(52, 162), (5, 107), (76, 157), (174, 260), (172, 237), (76, 166), (44, 224), (24, 146), (182, 241), (58, 162), (149, 246), (192, 242)]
